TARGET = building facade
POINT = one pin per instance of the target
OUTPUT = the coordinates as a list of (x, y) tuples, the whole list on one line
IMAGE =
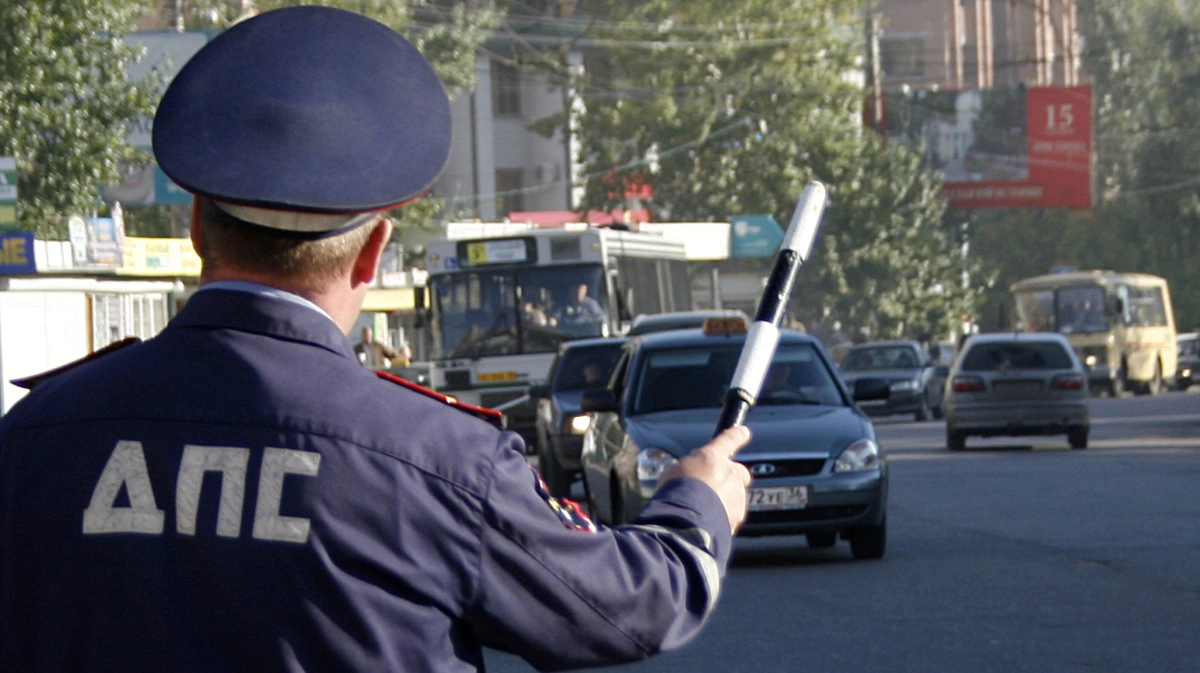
[(978, 44)]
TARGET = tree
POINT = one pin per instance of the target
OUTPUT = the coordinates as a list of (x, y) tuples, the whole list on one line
[(730, 108), (1143, 59), (447, 33), (65, 103)]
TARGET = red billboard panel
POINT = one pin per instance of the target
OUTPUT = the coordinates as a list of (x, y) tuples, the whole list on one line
[(1002, 148)]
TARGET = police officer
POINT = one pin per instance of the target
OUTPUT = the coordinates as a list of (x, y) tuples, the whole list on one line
[(239, 494)]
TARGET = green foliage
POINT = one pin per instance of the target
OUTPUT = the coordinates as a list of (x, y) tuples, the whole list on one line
[(730, 108), (447, 36), (65, 103), (1143, 57)]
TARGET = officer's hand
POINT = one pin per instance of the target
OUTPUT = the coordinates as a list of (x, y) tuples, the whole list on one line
[(713, 464)]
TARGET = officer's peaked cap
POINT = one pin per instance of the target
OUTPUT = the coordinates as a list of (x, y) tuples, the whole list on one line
[(305, 119)]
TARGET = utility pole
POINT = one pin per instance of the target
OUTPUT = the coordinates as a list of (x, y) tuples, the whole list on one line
[(874, 69)]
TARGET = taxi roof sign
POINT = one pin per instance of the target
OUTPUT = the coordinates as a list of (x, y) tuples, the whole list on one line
[(724, 326)]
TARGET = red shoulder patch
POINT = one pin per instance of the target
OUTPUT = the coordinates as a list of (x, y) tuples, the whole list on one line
[(492, 416), (29, 382)]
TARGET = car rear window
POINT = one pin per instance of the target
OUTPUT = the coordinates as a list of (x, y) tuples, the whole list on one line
[(987, 357)]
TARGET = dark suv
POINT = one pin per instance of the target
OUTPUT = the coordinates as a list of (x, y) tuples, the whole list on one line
[(915, 381), (579, 365)]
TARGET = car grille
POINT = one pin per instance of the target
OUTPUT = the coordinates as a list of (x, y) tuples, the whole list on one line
[(804, 467), (808, 514)]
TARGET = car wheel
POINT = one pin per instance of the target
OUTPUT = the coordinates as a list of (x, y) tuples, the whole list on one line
[(1116, 385), (955, 440), (1078, 437), (1154, 385), (923, 413), (869, 542), (558, 479), (821, 540)]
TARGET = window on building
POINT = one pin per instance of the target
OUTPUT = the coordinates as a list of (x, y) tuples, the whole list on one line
[(902, 57), (509, 195), (506, 89)]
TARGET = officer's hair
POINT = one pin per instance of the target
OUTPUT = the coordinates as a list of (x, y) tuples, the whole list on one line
[(227, 242)]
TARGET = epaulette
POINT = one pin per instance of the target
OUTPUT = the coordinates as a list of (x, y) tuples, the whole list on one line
[(492, 416), (29, 382)]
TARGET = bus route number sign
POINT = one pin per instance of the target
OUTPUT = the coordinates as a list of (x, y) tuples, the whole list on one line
[(501, 251)]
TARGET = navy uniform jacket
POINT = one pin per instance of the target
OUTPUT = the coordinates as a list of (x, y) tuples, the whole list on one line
[(239, 494)]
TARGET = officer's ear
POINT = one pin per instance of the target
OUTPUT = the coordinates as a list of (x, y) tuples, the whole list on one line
[(194, 228), (366, 265)]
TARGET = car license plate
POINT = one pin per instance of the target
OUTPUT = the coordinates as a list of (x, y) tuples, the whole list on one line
[(778, 497)]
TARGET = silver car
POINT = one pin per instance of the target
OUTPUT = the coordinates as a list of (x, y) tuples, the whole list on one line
[(1017, 384)]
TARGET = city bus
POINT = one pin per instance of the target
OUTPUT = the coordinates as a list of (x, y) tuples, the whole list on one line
[(501, 305), (1121, 325)]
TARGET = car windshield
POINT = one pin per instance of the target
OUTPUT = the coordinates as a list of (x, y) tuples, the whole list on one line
[(1081, 309), (881, 357), (1189, 346), (989, 357), (697, 377), (586, 366)]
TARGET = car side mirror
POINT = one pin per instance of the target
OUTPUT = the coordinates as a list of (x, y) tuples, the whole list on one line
[(871, 388), (597, 400), (539, 391)]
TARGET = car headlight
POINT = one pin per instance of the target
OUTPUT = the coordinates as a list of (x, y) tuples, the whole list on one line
[(652, 462), (904, 386), (577, 424), (862, 455)]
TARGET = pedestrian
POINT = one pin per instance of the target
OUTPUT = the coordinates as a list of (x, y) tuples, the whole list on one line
[(375, 354), (239, 494)]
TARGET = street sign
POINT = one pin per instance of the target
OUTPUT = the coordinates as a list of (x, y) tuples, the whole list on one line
[(754, 236)]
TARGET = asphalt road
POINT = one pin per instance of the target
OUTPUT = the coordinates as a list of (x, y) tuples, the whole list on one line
[(1017, 555)]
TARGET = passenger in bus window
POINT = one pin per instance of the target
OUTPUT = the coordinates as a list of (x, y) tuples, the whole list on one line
[(583, 310), (535, 315)]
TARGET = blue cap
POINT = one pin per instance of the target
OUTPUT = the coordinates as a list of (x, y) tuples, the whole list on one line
[(303, 119)]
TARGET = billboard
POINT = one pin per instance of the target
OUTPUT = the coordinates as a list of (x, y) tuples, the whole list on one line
[(1001, 148)]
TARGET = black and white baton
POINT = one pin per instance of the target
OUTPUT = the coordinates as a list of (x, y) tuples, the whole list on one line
[(763, 335)]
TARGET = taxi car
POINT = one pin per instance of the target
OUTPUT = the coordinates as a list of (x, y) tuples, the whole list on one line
[(578, 365), (1028, 383), (817, 468)]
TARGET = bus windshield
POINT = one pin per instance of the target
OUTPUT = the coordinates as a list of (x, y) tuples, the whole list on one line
[(509, 312), (1068, 310)]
